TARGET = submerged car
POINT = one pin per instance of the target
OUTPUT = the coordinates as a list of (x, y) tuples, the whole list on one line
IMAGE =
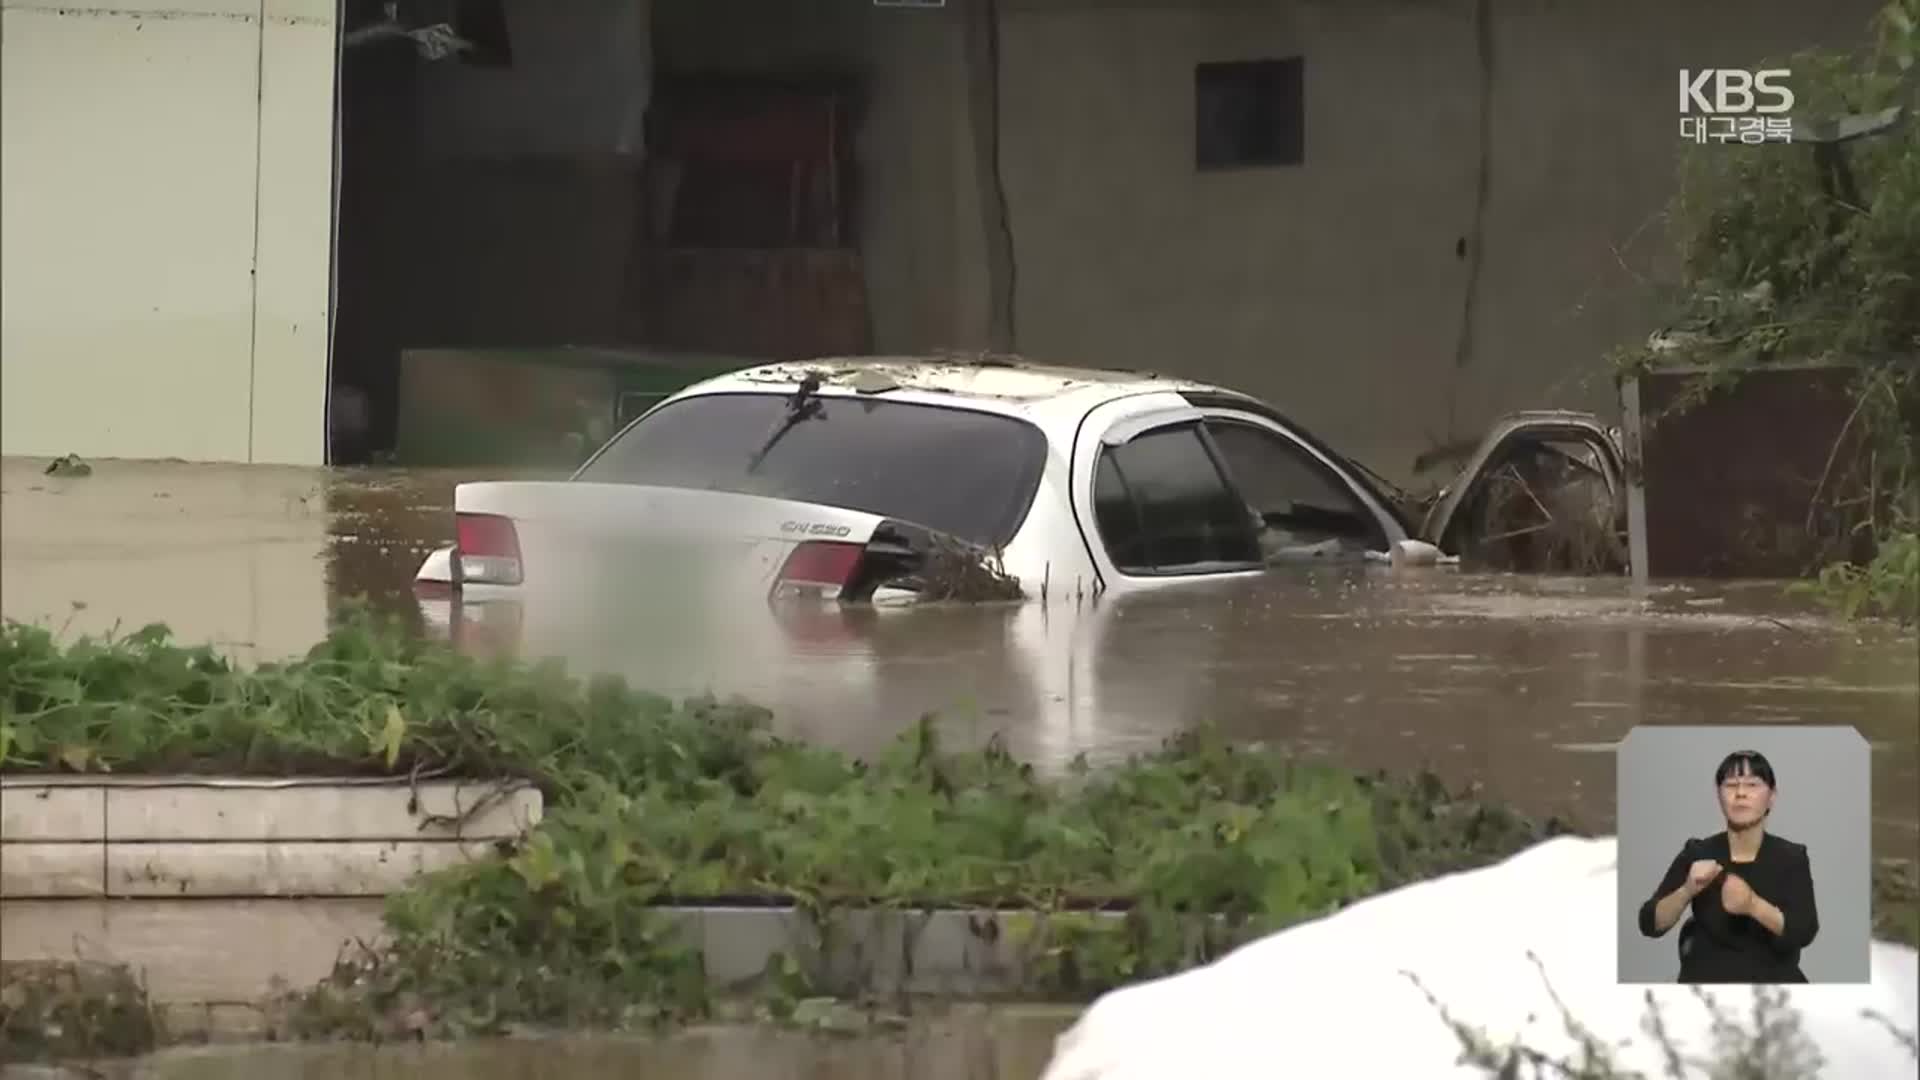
[(894, 479)]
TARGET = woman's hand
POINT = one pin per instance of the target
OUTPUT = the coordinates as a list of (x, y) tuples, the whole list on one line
[(1701, 874), (1736, 896)]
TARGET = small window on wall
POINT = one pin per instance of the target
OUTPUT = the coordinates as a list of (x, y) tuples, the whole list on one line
[(1249, 113)]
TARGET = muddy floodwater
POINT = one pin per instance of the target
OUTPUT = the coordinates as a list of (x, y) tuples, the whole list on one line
[(971, 1044), (1520, 683)]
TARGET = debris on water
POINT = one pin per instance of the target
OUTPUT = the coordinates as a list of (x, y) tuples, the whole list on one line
[(69, 465), (1540, 513), (873, 382), (1542, 494), (954, 571), (1414, 553)]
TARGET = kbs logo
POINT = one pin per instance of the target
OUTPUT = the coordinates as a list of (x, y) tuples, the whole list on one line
[(1734, 105), (1734, 92)]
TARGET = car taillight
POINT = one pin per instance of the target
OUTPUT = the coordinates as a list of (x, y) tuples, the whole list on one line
[(822, 566), (488, 549)]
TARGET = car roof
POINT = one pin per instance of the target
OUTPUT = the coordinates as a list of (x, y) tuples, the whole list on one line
[(996, 383)]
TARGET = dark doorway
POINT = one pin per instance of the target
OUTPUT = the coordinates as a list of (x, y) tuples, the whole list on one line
[(750, 242), (377, 118), (535, 235), (487, 189)]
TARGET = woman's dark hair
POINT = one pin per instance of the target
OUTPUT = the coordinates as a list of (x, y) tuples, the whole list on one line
[(1750, 762)]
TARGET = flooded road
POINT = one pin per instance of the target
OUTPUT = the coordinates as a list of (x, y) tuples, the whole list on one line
[(969, 1044), (1519, 683), (251, 558)]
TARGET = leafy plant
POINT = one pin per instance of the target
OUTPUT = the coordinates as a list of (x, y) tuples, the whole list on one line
[(367, 700), (1795, 254), (1773, 1046), (74, 1010), (651, 803), (1889, 585)]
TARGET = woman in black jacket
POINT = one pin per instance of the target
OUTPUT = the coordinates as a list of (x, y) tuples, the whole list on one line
[(1750, 892)]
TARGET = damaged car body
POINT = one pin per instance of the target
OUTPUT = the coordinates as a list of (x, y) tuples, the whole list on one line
[(1544, 492), (896, 480)]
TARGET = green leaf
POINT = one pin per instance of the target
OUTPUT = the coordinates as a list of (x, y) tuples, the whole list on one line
[(393, 735)]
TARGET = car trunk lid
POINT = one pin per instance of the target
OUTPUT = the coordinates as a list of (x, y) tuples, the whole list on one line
[(611, 540)]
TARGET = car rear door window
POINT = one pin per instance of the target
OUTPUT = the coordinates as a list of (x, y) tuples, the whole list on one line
[(964, 472), (1162, 506), (1302, 503)]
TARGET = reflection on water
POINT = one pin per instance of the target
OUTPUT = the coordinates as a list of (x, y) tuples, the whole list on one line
[(970, 1044), (247, 557), (1520, 683)]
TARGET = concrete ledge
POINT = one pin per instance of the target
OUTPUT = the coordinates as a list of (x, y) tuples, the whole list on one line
[(33, 811), (235, 951), (215, 888), (198, 952), (243, 869), (873, 950), (962, 953), (37, 809)]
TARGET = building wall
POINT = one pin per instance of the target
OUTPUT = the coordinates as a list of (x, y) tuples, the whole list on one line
[(1333, 288), (165, 227), (165, 198)]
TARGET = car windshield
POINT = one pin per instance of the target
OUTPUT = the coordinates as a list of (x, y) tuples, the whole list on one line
[(966, 473)]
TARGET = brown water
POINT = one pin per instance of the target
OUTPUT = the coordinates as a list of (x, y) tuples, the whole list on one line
[(1519, 683), (970, 1044)]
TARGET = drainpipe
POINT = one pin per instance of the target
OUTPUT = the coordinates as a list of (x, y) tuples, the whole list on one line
[(1472, 246), (983, 112)]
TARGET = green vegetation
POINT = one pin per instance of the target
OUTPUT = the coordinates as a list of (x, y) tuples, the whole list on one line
[(1896, 900), (651, 801), (1887, 585), (69, 1010), (1773, 1046), (368, 700), (1786, 263)]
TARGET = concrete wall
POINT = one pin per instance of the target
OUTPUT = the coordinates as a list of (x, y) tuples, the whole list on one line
[(275, 877), (165, 228), (1332, 288), (166, 199)]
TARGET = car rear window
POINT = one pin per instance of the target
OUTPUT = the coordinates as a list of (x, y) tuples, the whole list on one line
[(967, 473)]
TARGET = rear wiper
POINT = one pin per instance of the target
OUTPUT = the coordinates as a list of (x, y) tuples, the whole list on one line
[(801, 406)]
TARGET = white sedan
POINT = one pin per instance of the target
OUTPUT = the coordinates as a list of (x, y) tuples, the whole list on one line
[(853, 480)]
